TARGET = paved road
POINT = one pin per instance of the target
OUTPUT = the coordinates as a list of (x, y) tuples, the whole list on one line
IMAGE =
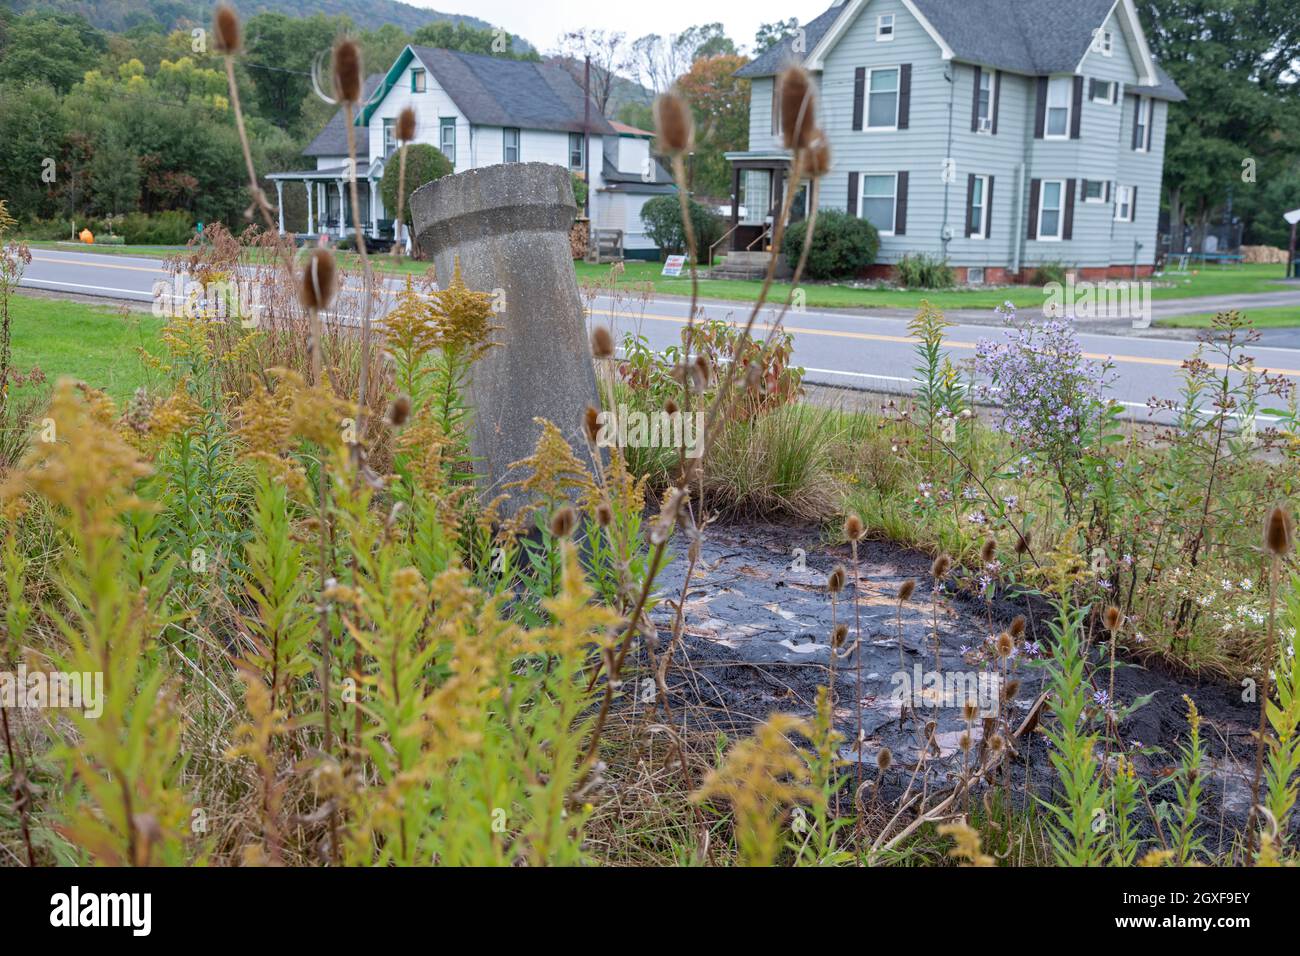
[(859, 350)]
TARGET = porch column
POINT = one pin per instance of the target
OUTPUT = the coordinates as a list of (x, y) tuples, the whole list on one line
[(374, 208), (343, 209), (279, 203), (735, 203), (310, 187)]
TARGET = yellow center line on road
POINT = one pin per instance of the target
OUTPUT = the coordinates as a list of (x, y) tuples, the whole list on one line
[(912, 340)]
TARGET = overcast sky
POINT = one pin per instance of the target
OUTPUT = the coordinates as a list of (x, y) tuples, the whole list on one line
[(541, 22)]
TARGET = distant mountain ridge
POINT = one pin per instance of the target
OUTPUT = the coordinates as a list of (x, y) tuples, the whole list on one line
[(118, 16)]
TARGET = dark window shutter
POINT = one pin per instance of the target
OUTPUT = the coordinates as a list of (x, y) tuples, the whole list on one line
[(853, 194), (1133, 205), (997, 99), (1035, 185), (1137, 113), (1108, 190), (970, 202), (988, 209), (1040, 111), (859, 91), (1067, 228), (900, 206), (1076, 114), (975, 103), (1083, 191), (904, 94)]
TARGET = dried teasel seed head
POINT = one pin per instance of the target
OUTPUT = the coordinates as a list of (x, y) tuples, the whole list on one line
[(347, 71), (884, 759), (1112, 618), (989, 551), (970, 710), (1005, 645), (399, 411), (1279, 532), (1024, 542), (406, 125), (906, 589), (997, 743), (835, 581), (939, 569), (602, 342), (965, 741), (673, 123), (798, 112), (604, 514), (225, 30), (670, 406), (839, 634), (591, 423), (319, 280), (1017, 627), (853, 528), (563, 521), (1010, 689), (703, 371)]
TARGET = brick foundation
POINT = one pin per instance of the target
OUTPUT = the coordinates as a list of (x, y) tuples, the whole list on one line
[(1000, 275)]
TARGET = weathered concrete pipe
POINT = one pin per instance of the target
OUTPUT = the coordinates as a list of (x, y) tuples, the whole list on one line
[(509, 226)]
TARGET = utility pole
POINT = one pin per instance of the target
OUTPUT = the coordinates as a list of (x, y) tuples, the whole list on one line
[(586, 140)]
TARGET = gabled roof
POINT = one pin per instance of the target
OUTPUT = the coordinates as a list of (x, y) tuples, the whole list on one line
[(333, 139), (496, 91), (1033, 37)]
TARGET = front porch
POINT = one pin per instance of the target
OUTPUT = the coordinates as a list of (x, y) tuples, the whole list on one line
[(329, 202), (759, 181)]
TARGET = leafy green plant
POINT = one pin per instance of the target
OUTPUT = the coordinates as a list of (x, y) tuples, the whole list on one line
[(842, 245)]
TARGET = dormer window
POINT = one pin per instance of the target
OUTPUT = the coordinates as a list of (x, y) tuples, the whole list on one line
[(417, 81), (1107, 43), (885, 27)]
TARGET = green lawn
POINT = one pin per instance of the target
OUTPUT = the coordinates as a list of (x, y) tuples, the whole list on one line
[(88, 342), (1214, 280), (1284, 317)]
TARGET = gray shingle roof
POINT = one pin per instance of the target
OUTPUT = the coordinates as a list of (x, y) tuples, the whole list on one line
[(1034, 37), (333, 139), (494, 91)]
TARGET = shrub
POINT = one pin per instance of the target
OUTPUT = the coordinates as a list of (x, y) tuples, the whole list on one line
[(579, 191), (842, 245), (916, 270), (424, 164), (1049, 272), (663, 224), (172, 228)]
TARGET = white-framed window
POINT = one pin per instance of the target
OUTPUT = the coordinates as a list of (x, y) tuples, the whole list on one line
[(1144, 114), (447, 137), (1105, 44), (979, 207), (984, 110), (417, 81), (1123, 203), (577, 151), (1094, 190), (1051, 199), (1102, 91), (1060, 93), (510, 145), (390, 136), (885, 27), (879, 201), (882, 98)]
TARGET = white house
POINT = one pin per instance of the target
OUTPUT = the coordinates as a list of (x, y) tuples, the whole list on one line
[(479, 110)]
